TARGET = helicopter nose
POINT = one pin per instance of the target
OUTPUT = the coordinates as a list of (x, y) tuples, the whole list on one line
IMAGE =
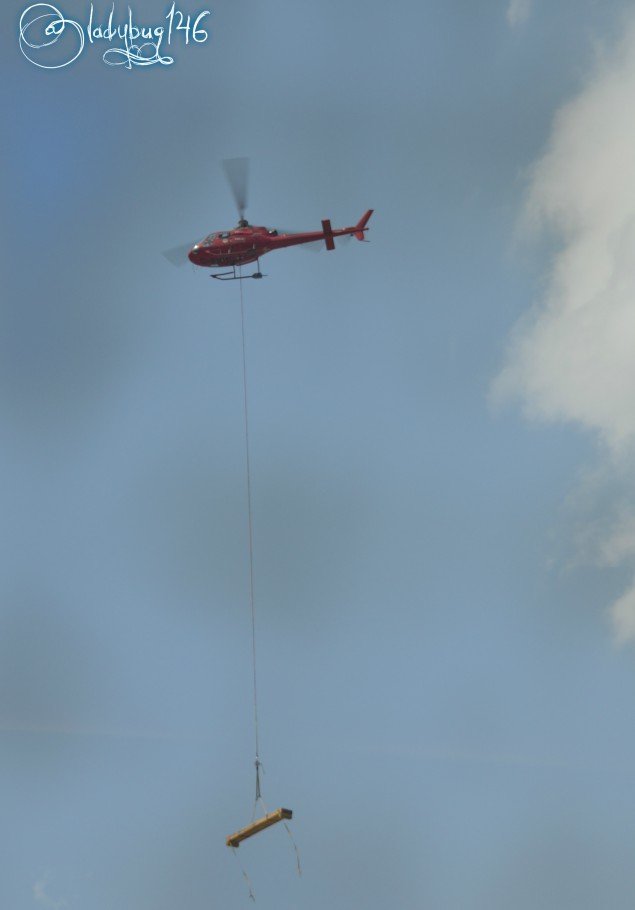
[(195, 253)]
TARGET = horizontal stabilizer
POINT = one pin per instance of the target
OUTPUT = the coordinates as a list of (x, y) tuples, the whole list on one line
[(328, 235)]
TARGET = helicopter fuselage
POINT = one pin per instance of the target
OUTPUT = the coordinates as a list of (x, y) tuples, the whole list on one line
[(247, 243)]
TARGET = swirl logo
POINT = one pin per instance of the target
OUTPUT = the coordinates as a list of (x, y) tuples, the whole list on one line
[(139, 55), (42, 25)]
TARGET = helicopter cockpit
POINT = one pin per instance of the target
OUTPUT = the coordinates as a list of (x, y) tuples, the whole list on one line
[(224, 235)]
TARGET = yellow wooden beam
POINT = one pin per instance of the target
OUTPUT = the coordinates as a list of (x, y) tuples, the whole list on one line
[(260, 824)]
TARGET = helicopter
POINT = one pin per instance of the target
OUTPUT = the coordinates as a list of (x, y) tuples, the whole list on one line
[(246, 243)]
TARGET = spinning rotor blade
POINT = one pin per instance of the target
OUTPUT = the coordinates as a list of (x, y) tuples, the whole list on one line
[(313, 246), (178, 254), (317, 246), (237, 173)]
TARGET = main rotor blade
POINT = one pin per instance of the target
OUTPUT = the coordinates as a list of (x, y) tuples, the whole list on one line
[(316, 246), (178, 254), (237, 173)]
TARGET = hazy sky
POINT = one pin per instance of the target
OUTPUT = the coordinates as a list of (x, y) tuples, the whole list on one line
[(443, 452)]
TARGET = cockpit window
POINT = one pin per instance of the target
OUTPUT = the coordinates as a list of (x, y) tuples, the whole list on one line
[(224, 235), (273, 232)]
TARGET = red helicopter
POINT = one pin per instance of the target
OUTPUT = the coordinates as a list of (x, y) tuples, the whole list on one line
[(247, 243)]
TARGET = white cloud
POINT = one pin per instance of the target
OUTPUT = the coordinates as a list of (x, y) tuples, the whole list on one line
[(623, 617), (44, 899), (573, 357), (518, 12)]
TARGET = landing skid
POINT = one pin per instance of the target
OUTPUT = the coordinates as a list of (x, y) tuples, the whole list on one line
[(232, 276)]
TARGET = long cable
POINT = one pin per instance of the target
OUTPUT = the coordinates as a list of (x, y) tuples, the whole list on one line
[(251, 595), (251, 541)]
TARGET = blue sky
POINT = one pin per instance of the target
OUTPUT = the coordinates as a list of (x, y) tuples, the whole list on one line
[(441, 444)]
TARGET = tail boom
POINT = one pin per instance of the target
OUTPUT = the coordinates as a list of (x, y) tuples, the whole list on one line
[(357, 230)]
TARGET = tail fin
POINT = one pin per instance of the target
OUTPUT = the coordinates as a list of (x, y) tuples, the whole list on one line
[(360, 227)]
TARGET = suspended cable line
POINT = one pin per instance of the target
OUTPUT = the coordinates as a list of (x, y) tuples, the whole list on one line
[(251, 544), (278, 815)]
